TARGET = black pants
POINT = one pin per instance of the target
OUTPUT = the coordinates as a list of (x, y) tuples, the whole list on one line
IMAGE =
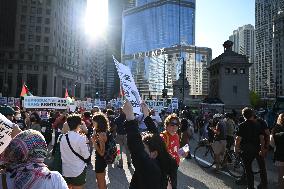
[(247, 160)]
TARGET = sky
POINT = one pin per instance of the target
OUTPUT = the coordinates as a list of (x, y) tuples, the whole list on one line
[(217, 19)]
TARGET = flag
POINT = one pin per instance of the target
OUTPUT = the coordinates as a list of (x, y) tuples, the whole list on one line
[(121, 92), (66, 93), (25, 91)]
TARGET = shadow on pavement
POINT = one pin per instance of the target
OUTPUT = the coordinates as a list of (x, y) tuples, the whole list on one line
[(185, 182), (117, 178)]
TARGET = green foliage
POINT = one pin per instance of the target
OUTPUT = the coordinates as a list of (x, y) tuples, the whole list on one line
[(255, 100)]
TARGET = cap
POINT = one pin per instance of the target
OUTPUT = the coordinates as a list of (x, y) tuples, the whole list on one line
[(7, 110)]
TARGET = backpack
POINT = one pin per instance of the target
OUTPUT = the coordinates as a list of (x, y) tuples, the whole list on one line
[(110, 149), (57, 161)]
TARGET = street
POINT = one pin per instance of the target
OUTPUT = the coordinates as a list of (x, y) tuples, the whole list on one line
[(190, 175)]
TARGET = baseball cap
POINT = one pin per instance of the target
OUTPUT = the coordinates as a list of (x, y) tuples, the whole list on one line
[(7, 110)]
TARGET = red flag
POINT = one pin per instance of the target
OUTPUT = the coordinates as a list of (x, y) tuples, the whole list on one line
[(66, 93), (25, 91)]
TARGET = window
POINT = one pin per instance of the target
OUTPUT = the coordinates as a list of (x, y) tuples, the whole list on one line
[(37, 48), (242, 71), (44, 84), (33, 10), (23, 28), (20, 66), (235, 89), (46, 39), (24, 9), (45, 68), (30, 48), (23, 18), (33, 2), (11, 55), (32, 19), (45, 58), (31, 38), (38, 29), (31, 29), (39, 10), (46, 30), (46, 49), (22, 37), (47, 20), (10, 66), (30, 67), (38, 38), (48, 11), (48, 2), (30, 57), (38, 20), (22, 47), (234, 71), (36, 57), (35, 68), (227, 70), (22, 56)]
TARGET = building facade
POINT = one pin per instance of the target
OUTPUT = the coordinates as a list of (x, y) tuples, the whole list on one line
[(244, 43), (229, 78), (156, 70), (155, 36), (265, 11), (43, 47), (278, 52)]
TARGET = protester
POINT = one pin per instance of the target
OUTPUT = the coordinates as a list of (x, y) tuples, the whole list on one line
[(8, 112), (102, 131), (35, 121), (185, 134), (250, 144), (219, 143), (171, 137), (74, 152), (153, 164), (24, 162), (121, 138), (230, 129), (278, 139)]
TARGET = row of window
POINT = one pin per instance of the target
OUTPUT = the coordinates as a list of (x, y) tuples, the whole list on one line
[(234, 70), (29, 67), (33, 20), (23, 28), (37, 2), (32, 38), (35, 10)]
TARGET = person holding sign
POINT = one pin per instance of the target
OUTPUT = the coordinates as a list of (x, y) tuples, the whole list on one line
[(154, 166)]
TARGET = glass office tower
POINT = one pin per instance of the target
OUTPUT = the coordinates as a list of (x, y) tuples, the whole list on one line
[(149, 27)]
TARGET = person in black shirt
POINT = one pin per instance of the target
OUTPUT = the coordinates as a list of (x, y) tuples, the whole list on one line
[(250, 143), (121, 138)]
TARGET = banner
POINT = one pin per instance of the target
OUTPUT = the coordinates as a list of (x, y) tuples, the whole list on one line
[(33, 102), (157, 105), (6, 128), (174, 103), (3, 100), (130, 90)]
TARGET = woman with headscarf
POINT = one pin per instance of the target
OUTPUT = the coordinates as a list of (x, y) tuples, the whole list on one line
[(24, 163)]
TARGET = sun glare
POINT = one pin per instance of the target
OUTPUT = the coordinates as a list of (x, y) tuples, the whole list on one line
[(96, 18)]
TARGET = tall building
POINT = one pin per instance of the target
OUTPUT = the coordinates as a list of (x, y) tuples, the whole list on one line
[(244, 43), (153, 31), (265, 11), (42, 46), (278, 52)]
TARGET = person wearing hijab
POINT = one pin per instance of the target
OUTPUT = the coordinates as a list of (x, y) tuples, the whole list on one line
[(23, 160)]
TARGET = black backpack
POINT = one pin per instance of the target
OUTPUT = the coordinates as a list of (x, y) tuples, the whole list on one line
[(110, 149)]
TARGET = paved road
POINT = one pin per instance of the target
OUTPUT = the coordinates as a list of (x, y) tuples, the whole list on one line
[(190, 176)]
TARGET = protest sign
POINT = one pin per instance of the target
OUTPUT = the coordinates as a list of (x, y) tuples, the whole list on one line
[(174, 103), (130, 90), (157, 105), (3, 100), (10, 101), (6, 128), (33, 102)]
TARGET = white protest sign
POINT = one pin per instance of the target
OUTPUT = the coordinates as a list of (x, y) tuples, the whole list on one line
[(174, 103), (6, 128), (128, 85), (33, 102)]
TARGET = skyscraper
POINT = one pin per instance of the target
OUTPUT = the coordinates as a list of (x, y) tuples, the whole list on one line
[(153, 32), (278, 52), (265, 11), (244, 43), (42, 47)]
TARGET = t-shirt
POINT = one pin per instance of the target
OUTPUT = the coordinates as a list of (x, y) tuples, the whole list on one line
[(172, 143), (119, 121), (250, 131)]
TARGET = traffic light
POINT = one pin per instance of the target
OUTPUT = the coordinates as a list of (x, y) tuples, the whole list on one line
[(164, 93)]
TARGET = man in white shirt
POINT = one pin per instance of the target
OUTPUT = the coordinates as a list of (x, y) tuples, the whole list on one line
[(73, 167)]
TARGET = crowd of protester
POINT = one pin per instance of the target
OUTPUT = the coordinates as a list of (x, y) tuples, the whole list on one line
[(150, 141)]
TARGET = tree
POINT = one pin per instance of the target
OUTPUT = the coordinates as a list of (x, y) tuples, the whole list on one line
[(254, 99)]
